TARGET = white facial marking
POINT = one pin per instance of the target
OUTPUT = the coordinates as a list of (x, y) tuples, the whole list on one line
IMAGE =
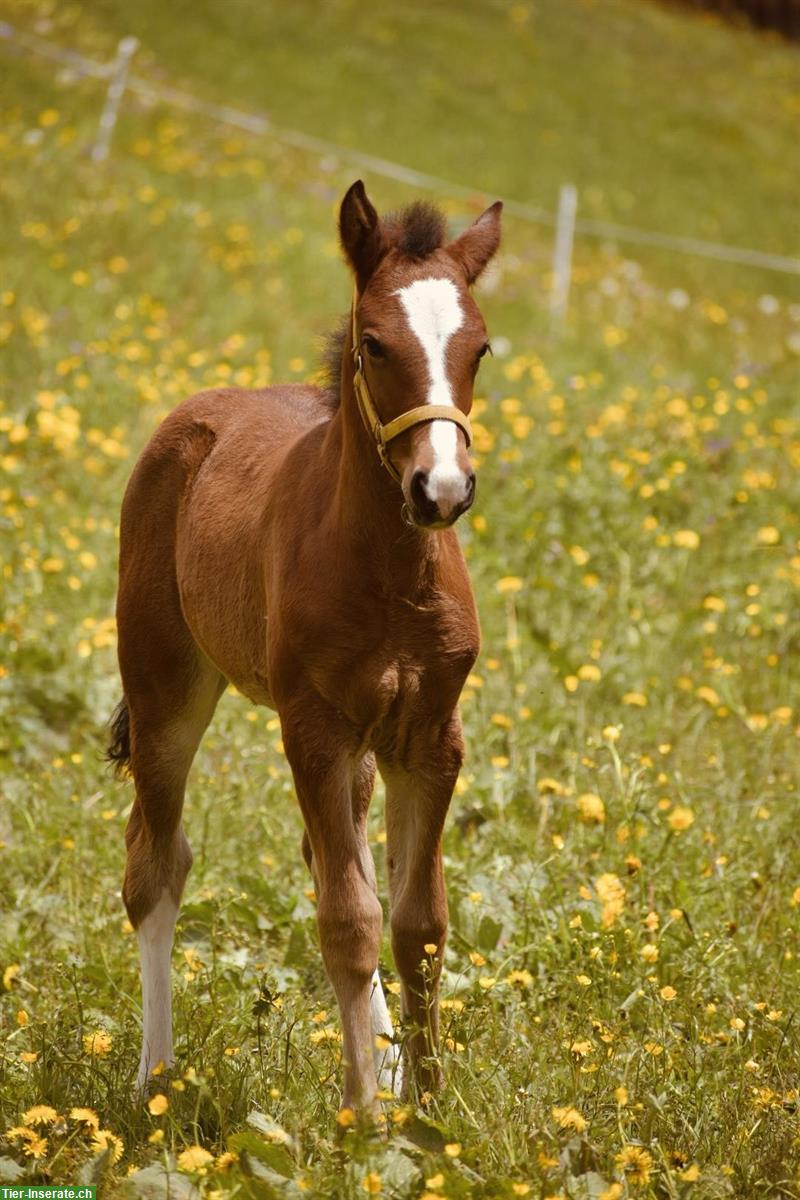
[(434, 314)]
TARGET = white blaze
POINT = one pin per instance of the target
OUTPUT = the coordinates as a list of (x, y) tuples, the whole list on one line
[(434, 314)]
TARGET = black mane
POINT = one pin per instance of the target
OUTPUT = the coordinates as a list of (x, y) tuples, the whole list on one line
[(416, 231)]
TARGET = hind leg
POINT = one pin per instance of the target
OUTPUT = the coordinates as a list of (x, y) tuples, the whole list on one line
[(166, 725)]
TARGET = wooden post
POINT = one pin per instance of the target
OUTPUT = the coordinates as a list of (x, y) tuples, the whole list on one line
[(562, 254), (118, 74)]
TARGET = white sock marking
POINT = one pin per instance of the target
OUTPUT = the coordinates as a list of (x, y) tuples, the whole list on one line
[(434, 314), (155, 936), (387, 1062)]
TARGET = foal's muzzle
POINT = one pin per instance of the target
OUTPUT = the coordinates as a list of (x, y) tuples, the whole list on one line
[(437, 506)]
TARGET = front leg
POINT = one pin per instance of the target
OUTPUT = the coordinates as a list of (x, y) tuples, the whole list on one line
[(330, 779), (418, 793)]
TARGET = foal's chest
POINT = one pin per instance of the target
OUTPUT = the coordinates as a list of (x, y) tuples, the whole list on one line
[(411, 680)]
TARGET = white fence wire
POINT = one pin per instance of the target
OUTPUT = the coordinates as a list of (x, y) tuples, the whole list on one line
[(566, 222)]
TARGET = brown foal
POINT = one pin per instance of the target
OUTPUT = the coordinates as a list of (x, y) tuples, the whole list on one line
[(263, 543)]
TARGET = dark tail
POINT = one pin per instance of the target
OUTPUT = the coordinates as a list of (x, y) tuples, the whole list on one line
[(119, 746)]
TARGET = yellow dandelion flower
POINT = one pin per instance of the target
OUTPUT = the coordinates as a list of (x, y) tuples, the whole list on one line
[(635, 699), (590, 671), (158, 1105), (687, 539), (98, 1043), (611, 892), (581, 1049), (621, 1095), (156, 1136), (649, 953), (452, 1149), (680, 818), (372, 1184), (345, 1118), (104, 1139), (194, 1158), (668, 993), (85, 1116), (637, 1164), (569, 1118), (768, 535), (519, 979), (9, 975), (611, 733), (583, 980), (40, 1114), (20, 1133), (509, 584), (591, 809), (36, 1147)]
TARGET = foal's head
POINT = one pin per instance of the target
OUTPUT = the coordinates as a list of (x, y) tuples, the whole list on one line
[(421, 337)]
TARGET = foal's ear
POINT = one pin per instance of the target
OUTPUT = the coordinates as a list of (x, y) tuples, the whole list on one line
[(475, 246), (361, 233)]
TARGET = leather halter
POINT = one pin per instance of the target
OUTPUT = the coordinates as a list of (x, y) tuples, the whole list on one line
[(384, 434)]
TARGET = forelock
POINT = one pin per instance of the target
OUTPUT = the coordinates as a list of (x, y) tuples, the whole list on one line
[(418, 230)]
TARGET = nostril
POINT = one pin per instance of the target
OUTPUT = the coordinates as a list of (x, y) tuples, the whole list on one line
[(419, 479), (427, 508), (470, 488), (418, 493)]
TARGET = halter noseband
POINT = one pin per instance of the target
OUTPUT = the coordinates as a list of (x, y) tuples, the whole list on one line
[(384, 434)]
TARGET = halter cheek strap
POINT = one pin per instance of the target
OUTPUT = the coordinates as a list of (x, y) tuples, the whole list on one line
[(384, 434)]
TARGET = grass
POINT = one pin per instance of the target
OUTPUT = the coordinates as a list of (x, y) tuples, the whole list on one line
[(622, 856)]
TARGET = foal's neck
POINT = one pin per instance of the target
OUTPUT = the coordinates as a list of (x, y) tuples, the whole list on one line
[(370, 504)]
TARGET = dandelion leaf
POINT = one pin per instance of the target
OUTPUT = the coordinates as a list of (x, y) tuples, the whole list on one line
[(10, 1171), (157, 1183)]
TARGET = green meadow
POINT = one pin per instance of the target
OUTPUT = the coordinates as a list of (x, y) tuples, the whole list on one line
[(623, 851)]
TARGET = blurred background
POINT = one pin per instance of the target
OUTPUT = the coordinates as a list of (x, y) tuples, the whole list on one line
[(668, 119)]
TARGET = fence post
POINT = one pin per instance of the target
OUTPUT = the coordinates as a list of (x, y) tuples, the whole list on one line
[(118, 73), (562, 254)]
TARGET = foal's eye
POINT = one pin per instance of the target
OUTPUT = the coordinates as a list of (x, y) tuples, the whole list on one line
[(372, 346)]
